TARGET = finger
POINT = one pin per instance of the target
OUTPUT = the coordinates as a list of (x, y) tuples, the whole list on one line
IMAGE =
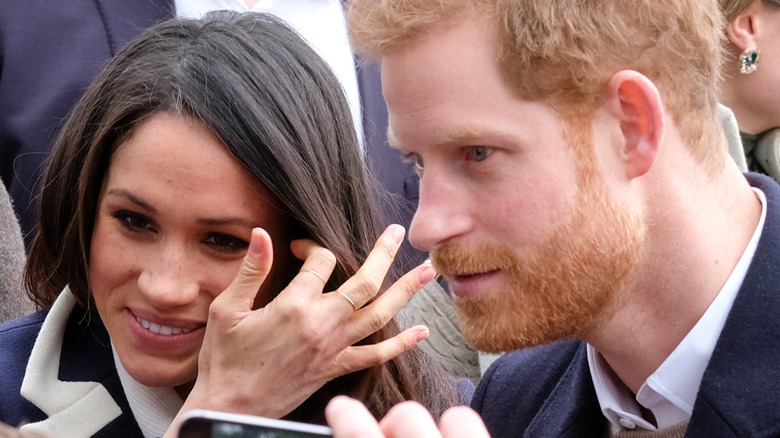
[(400, 292), (254, 269), (409, 420), (462, 422), (318, 265), (376, 315), (360, 357), (365, 284), (349, 418)]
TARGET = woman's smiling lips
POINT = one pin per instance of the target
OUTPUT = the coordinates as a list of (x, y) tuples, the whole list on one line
[(162, 329), (159, 332), (464, 285)]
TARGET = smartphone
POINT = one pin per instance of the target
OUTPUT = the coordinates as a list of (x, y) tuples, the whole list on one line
[(212, 424)]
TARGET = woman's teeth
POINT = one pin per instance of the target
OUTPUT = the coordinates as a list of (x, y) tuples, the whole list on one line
[(161, 329)]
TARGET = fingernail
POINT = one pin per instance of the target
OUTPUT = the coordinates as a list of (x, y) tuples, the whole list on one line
[(254, 241), (427, 275), (397, 232), (423, 334), (340, 402)]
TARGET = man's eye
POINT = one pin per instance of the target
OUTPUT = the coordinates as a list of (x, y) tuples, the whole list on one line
[(479, 153), (226, 243)]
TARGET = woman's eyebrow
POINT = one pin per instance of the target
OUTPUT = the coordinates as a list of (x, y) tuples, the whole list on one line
[(218, 221), (123, 193), (211, 221)]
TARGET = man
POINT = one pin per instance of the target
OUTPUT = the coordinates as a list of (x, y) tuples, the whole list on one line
[(577, 194)]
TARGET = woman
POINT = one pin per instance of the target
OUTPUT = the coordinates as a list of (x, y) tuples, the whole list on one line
[(752, 79), (205, 152)]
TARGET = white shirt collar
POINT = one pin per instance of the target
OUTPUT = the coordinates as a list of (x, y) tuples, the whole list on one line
[(154, 409), (670, 392)]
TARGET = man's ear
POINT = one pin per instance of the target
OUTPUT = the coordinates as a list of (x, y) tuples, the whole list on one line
[(741, 31), (635, 102)]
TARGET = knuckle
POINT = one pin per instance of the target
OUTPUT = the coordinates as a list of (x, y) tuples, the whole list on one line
[(368, 285), (378, 319), (323, 256), (216, 307), (217, 311), (375, 360), (343, 367), (389, 250), (410, 289), (296, 310), (249, 269), (313, 338)]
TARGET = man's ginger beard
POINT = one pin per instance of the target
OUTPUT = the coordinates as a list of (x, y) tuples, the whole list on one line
[(562, 288)]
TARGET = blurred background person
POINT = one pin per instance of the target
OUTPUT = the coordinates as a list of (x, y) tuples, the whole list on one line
[(752, 79), (13, 301)]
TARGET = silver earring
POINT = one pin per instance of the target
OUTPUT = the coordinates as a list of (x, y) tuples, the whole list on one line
[(748, 60)]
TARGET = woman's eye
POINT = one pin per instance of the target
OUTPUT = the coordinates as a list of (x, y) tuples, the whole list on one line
[(226, 243), (133, 221), (479, 153)]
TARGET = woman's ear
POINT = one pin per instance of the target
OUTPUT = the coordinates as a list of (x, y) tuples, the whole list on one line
[(741, 30), (636, 103)]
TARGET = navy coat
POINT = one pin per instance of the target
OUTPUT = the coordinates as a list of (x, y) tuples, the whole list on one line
[(75, 378)]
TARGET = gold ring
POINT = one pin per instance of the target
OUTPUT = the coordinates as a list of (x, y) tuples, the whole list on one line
[(354, 306), (316, 274)]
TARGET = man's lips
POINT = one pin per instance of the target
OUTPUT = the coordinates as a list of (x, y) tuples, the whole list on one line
[(468, 284), (451, 276)]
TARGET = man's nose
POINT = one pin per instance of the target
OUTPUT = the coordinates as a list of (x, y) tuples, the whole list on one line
[(439, 216)]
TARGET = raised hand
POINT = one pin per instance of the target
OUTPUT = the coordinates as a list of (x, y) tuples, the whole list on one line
[(269, 360), (350, 419)]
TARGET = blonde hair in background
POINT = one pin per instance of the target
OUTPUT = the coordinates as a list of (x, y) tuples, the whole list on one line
[(563, 52), (732, 8)]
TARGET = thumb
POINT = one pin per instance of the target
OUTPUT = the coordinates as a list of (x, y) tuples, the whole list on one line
[(253, 271)]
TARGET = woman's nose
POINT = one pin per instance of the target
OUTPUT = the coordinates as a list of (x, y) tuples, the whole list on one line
[(169, 279)]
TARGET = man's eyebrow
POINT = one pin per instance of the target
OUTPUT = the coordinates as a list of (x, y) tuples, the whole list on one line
[(459, 136), (462, 135)]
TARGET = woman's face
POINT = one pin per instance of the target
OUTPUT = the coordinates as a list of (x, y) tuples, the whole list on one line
[(173, 223)]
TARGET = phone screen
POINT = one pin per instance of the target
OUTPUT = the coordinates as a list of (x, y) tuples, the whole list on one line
[(210, 424)]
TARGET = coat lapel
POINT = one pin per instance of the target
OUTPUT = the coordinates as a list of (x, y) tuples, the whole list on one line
[(74, 408), (572, 409), (737, 396)]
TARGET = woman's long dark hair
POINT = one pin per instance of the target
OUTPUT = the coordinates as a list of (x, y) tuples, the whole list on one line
[(281, 113)]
